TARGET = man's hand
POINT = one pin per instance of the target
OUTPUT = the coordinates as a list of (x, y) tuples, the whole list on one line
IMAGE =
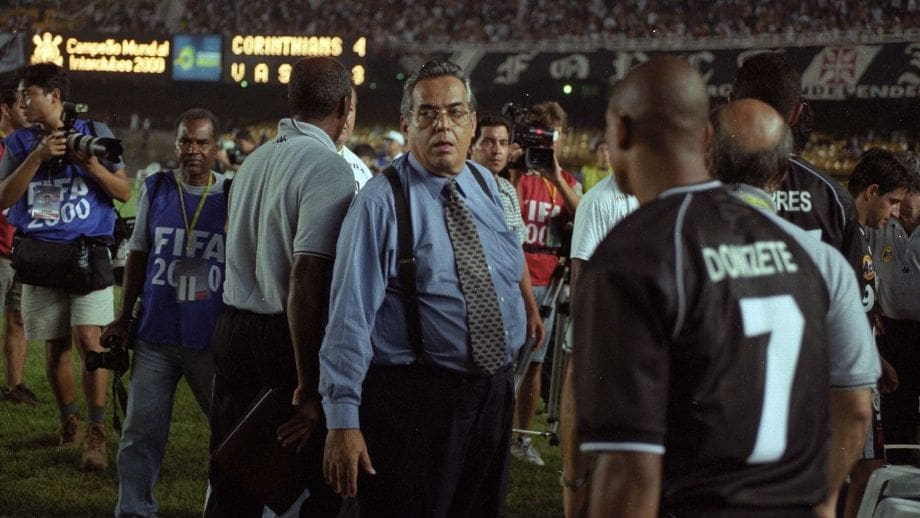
[(888, 383), (89, 162), (51, 145), (554, 175), (536, 329), (118, 329), (296, 431), (345, 449)]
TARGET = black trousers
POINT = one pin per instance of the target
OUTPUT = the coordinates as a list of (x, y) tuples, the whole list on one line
[(253, 352), (439, 442), (900, 345)]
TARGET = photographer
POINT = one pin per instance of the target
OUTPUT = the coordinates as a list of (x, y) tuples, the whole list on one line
[(176, 268), (61, 200), (549, 197)]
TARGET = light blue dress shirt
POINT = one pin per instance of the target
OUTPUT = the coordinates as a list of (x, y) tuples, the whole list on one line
[(367, 320)]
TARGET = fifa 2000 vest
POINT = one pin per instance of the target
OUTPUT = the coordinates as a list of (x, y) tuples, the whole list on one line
[(85, 210), (175, 310)]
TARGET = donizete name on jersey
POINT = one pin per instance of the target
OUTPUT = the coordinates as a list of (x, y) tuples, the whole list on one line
[(757, 259)]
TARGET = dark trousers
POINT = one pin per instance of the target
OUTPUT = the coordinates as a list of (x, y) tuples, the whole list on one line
[(253, 352), (900, 345), (439, 442)]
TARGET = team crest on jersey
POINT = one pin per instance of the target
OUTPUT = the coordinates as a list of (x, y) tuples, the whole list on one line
[(887, 254), (868, 268)]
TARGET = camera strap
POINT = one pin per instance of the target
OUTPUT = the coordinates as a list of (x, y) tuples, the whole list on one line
[(119, 400)]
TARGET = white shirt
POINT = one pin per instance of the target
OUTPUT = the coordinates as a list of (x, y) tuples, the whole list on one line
[(358, 167), (599, 210)]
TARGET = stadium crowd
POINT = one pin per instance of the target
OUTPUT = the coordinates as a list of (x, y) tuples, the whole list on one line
[(401, 21)]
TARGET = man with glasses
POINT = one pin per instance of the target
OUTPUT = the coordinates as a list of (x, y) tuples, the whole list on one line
[(419, 423)]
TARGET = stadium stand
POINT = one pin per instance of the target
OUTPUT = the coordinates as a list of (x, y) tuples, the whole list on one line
[(401, 21)]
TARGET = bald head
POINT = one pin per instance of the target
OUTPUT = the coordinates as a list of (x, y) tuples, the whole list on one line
[(665, 104), (658, 128), (750, 144)]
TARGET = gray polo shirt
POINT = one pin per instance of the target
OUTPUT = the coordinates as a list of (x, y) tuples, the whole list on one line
[(896, 257), (289, 197)]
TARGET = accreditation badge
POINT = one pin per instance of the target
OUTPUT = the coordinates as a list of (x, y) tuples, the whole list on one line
[(554, 227), (46, 202), (192, 280)]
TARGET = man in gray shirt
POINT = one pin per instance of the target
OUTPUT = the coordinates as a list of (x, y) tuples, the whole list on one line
[(286, 209)]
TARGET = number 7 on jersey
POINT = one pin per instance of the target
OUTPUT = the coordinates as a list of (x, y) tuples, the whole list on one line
[(779, 316)]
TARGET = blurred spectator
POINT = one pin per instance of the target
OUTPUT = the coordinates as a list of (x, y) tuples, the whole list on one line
[(393, 142), (366, 153), (600, 169)]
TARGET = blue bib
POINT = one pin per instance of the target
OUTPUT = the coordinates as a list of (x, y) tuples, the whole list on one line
[(164, 319), (86, 209)]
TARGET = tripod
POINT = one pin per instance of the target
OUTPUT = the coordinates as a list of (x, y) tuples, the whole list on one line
[(555, 302)]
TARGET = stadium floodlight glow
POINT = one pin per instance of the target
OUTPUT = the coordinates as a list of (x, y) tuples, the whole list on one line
[(567, 89)]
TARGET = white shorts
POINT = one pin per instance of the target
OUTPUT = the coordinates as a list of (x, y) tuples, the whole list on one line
[(50, 313)]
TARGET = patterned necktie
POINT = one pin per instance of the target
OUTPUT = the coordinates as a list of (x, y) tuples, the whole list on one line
[(484, 319)]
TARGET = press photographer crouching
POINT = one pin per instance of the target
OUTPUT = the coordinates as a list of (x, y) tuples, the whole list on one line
[(60, 201), (176, 269)]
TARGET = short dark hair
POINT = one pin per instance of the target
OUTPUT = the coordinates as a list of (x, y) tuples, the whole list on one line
[(433, 70), (46, 76), (489, 120), (9, 92), (910, 160), (363, 150), (732, 163), (879, 166), (317, 86), (243, 134), (547, 114), (769, 77), (196, 114)]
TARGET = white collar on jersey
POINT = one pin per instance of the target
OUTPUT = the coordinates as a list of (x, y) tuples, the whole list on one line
[(708, 185)]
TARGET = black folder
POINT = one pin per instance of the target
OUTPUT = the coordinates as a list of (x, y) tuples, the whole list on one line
[(253, 457)]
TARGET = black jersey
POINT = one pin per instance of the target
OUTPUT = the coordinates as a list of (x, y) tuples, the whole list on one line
[(819, 204), (701, 333)]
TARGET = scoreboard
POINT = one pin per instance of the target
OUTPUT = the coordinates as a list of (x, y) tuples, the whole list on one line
[(264, 59), (243, 59)]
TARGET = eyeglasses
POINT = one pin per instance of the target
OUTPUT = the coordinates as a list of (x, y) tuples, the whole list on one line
[(428, 115)]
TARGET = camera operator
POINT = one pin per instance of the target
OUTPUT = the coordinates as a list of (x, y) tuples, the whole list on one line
[(549, 197), (176, 268), (243, 145), (60, 199)]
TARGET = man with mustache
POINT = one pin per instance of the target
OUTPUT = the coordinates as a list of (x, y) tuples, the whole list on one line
[(416, 376), (176, 269)]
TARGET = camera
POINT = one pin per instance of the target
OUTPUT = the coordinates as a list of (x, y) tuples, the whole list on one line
[(536, 141), (116, 357), (101, 147)]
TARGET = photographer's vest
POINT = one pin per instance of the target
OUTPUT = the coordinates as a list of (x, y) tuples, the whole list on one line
[(85, 207), (180, 307)]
